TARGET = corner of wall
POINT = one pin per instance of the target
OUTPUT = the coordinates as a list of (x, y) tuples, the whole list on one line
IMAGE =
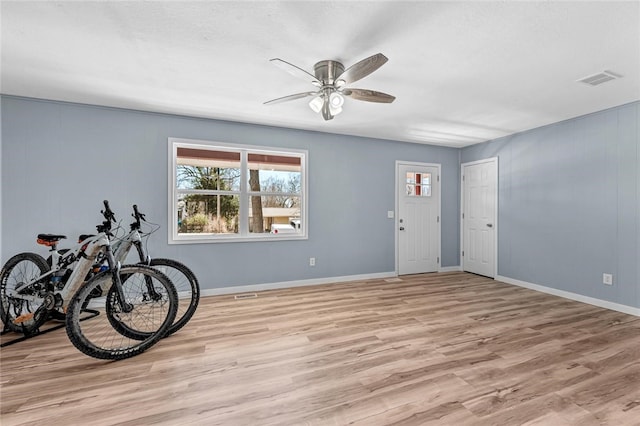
[(1, 190), (638, 202)]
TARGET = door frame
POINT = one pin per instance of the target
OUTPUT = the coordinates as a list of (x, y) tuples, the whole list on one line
[(438, 166), (496, 226)]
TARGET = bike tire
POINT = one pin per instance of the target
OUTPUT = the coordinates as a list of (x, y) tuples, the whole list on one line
[(187, 286), (95, 336), (21, 268), (127, 328)]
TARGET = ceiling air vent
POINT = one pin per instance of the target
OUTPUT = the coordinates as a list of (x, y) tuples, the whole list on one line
[(601, 77)]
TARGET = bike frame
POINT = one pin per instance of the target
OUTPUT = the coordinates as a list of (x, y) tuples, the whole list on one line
[(83, 258), (122, 247)]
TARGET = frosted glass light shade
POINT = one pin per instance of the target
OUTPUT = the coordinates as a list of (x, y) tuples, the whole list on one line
[(336, 100), (316, 104)]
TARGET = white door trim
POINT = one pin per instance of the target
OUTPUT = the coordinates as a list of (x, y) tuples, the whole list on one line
[(495, 219), (397, 209)]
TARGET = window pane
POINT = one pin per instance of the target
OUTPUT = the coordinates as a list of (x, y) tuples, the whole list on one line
[(274, 173), (274, 214), (411, 177), (208, 169), (418, 184), (216, 184), (411, 189), (208, 214)]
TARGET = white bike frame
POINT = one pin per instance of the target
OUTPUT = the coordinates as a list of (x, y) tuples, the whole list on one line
[(122, 247), (84, 257)]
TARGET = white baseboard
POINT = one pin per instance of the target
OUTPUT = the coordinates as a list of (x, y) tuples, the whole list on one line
[(289, 284), (573, 296), (457, 268)]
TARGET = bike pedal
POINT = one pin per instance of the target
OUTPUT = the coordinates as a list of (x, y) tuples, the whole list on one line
[(24, 317)]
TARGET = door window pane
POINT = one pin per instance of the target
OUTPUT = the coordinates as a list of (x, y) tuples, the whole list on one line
[(418, 184)]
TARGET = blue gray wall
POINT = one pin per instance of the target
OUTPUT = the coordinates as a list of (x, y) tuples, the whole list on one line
[(60, 160), (569, 194), (569, 204)]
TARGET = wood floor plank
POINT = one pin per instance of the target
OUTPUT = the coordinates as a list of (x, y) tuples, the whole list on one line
[(431, 349)]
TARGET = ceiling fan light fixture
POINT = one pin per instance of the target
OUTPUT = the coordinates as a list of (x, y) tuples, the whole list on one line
[(316, 104), (335, 111), (336, 100)]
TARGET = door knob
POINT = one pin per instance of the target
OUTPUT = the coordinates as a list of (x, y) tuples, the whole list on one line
[(402, 228), (489, 225)]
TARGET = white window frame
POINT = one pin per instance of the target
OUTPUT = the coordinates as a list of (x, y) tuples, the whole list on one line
[(243, 234)]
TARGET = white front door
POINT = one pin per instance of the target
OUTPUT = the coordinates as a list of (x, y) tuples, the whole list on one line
[(418, 221), (479, 216)]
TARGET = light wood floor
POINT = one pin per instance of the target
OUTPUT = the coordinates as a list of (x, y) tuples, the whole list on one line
[(442, 349)]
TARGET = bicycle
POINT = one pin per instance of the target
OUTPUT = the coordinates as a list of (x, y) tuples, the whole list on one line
[(183, 279), (181, 276), (134, 297)]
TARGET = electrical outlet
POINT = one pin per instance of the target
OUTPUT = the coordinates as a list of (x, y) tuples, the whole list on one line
[(607, 279), (312, 261)]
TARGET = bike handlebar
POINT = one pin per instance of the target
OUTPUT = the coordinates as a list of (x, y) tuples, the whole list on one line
[(109, 217), (138, 216), (107, 212)]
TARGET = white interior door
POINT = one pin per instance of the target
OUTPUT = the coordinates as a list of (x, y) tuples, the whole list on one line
[(479, 216), (418, 221)]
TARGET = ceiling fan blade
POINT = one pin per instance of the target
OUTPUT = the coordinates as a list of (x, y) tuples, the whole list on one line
[(291, 97), (294, 70), (369, 95), (363, 68)]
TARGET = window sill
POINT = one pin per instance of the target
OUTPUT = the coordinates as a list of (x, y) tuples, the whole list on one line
[(206, 239)]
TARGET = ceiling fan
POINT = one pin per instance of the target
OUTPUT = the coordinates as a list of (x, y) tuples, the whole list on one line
[(331, 79)]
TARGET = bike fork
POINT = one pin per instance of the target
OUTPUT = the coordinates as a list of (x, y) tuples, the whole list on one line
[(146, 260), (114, 268)]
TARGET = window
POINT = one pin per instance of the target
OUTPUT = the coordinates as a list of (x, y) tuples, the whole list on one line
[(221, 192), (418, 184)]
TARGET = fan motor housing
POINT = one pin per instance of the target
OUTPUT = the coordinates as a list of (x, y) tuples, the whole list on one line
[(327, 71)]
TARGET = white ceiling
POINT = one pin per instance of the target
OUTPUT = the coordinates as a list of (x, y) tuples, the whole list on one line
[(462, 72)]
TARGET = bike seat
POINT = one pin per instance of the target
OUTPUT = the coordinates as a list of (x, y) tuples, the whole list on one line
[(49, 239), (83, 237)]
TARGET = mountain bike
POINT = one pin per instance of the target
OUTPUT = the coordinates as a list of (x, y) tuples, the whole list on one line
[(183, 279), (141, 301)]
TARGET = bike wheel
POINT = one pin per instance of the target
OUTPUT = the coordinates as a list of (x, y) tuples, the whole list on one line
[(186, 285), (151, 316), (131, 329), (20, 315)]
